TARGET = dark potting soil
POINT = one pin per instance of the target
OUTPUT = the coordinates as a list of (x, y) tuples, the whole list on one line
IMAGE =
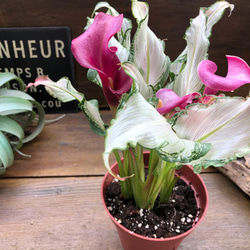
[(168, 220)]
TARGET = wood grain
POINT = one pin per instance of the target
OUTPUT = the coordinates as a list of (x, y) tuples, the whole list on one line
[(239, 172), (66, 213), (66, 147)]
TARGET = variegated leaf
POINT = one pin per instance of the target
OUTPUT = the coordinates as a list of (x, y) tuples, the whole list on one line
[(185, 66), (149, 55), (137, 122), (225, 124), (64, 91), (145, 89), (214, 13), (91, 110), (188, 80)]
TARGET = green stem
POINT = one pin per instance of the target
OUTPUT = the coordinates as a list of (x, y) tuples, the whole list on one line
[(148, 190), (124, 171), (168, 183), (160, 179)]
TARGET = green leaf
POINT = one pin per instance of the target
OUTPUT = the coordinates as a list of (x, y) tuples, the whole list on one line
[(225, 125), (137, 122), (16, 114), (10, 126), (94, 77), (12, 105), (6, 154), (6, 77), (15, 93), (40, 124)]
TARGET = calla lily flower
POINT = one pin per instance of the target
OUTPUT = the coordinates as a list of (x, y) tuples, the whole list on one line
[(238, 75), (170, 100), (91, 50)]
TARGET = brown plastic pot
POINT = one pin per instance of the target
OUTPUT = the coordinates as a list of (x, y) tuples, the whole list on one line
[(133, 241)]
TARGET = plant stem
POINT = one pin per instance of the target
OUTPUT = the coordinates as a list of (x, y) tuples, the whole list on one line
[(160, 177), (168, 183), (124, 171)]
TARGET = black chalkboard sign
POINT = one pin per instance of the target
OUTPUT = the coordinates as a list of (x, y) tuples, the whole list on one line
[(32, 51)]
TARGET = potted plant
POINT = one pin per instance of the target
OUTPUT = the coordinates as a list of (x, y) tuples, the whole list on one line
[(168, 108), (19, 121)]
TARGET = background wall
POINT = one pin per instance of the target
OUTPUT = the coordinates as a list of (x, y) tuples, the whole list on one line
[(168, 19)]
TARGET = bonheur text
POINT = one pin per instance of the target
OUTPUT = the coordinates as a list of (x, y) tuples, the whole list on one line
[(32, 49)]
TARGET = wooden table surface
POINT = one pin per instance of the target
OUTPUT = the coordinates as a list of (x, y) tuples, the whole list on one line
[(52, 200)]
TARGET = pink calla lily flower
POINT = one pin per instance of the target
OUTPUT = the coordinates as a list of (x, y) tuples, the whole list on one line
[(238, 75), (170, 100), (91, 50)]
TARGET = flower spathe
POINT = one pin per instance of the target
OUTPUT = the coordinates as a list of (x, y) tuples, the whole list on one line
[(238, 75), (170, 100), (91, 50)]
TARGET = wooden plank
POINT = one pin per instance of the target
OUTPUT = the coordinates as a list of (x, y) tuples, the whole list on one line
[(57, 213), (168, 19), (53, 213), (65, 147)]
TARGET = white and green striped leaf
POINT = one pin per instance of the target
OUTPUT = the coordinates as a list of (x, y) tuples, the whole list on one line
[(188, 80), (139, 82), (91, 110), (197, 35), (224, 124), (214, 13), (64, 91), (137, 122), (148, 50)]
